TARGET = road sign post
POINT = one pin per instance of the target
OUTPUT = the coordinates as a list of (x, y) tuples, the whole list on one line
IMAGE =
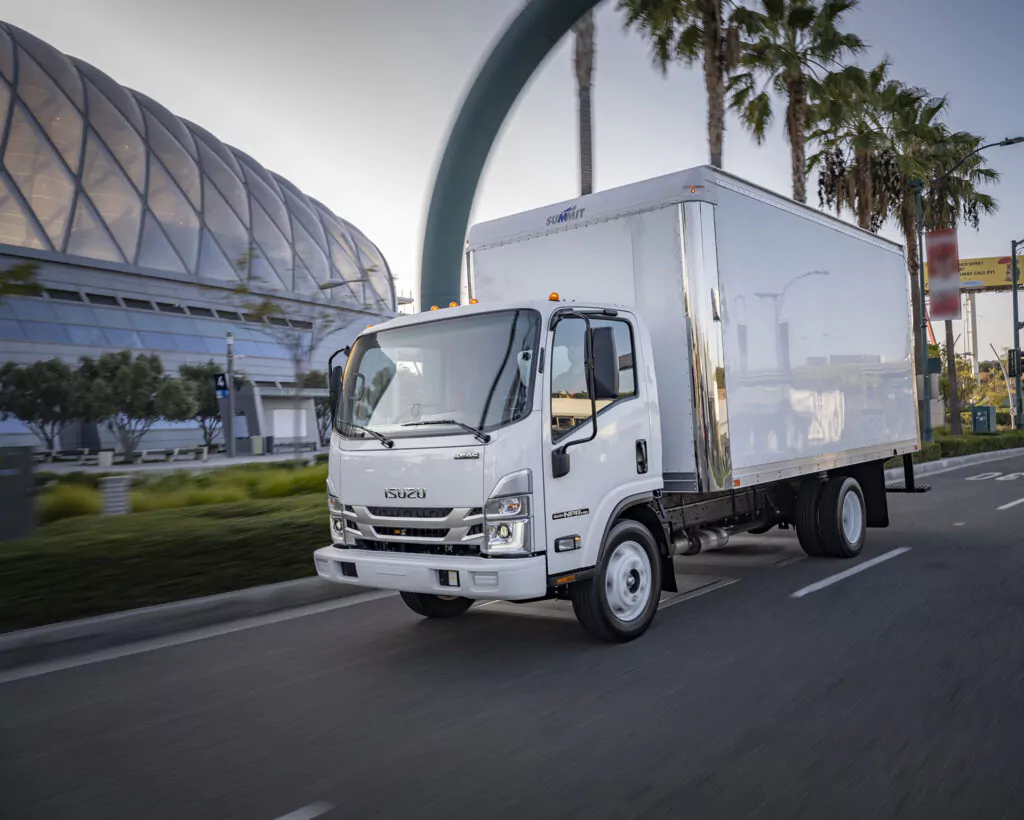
[(1016, 335)]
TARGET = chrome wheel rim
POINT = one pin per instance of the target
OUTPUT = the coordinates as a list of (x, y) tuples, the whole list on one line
[(853, 517), (627, 581)]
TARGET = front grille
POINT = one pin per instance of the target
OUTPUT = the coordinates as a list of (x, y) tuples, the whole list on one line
[(419, 549), (409, 532), (410, 512)]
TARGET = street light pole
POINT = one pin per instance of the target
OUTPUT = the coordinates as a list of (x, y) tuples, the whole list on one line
[(1016, 334), (926, 400), (229, 422)]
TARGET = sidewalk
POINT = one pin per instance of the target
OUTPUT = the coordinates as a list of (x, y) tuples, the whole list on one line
[(181, 465)]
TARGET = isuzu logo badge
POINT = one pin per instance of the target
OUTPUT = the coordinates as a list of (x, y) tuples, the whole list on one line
[(405, 492), (466, 455)]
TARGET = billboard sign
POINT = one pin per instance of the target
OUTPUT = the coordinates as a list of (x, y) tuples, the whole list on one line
[(985, 273), (944, 265)]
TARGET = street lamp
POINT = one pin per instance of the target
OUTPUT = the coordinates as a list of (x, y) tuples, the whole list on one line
[(1017, 403), (918, 187)]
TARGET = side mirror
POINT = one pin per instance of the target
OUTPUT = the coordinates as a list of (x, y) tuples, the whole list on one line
[(606, 364), (559, 462), (334, 387)]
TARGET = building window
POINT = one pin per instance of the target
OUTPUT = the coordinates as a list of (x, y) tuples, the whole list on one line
[(167, 307), (64, 295), (102, 299), (138, 304), (200, 311)]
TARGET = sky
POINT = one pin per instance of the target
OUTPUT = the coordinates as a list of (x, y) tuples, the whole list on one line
[(352, 101)]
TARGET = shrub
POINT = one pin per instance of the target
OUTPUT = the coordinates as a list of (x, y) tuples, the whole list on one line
[(311, 480), (69, 501), (148, 499), (274, 486), (968, 445), (91, 566)]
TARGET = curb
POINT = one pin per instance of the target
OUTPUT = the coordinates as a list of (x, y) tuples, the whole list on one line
[(945, 465), (60, 640)]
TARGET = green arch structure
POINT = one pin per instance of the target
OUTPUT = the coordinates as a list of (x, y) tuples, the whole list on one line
[(527, 41)]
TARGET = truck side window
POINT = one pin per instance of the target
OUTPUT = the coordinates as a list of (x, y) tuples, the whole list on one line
[(570, 398)]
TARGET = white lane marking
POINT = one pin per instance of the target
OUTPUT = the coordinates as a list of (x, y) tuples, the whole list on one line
[(1011, 504), (307, 812), (99, 656), (959, 524), (833, 579)]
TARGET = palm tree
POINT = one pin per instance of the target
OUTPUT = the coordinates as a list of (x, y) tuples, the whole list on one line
[(695, 30), (795, 43), (584, 30), (951, 200), (849, 112)]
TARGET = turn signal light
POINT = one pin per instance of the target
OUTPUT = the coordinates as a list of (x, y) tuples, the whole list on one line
[(554, 297)]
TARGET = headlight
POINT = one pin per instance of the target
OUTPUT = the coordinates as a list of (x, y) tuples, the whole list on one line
[(512, 506), (508, 537)]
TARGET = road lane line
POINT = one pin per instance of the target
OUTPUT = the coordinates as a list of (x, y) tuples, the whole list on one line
[(1011, 504), (307, 812), (717, 584), (840, 576), (153, 644)]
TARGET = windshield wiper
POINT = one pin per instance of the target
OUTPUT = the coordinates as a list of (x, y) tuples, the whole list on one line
[(379, 436), (480, 434)]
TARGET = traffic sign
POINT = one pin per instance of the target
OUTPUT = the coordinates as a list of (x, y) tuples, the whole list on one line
[(220, 384)]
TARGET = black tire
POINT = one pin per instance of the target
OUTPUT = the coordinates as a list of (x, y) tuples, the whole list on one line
[(434, 606), (597, 601), (806, 518), (842, 536)]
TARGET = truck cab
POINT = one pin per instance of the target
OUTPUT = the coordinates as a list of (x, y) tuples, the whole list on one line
[(482, 451)]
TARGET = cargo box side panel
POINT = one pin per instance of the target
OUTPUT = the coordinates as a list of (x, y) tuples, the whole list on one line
[(819, 352), (658, 274), (589, 264)]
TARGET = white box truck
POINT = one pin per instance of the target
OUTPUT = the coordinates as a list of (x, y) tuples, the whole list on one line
[(636, 375)]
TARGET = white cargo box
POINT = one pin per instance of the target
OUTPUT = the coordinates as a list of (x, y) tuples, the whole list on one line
[(782, 336)]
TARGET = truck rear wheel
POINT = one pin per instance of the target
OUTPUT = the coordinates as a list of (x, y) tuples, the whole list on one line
[(806, 518), (842, 517), (620, 601), (435, 606)]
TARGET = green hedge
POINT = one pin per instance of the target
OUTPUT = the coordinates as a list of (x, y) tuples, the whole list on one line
[(95, 565), (970, 444)]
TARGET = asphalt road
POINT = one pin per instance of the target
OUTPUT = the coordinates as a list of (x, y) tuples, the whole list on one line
[(897, 691)]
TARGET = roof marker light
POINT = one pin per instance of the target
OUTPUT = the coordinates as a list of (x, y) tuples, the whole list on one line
[(433, 307), (474, 301), (554, 297), (453, 304)]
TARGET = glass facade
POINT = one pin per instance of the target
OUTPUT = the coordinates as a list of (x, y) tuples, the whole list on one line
[(94, 170)]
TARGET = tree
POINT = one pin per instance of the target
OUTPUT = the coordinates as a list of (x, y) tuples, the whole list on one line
[(969, 391), (954, 198), (794, 43), (301, 331), (584, 65), (708, 31), (20, 280), (42, 395), (849, 112), (132, 394), (199, 379)]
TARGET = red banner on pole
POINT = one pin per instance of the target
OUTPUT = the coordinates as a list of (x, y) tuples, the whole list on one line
[(944, 270)]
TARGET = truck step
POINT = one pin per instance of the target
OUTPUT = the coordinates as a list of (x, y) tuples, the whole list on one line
[(900, 487)]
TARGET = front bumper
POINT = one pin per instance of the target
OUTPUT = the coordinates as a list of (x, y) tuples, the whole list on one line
[(507, 579)]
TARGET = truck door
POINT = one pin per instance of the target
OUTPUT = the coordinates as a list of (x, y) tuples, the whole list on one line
[(616, 463)]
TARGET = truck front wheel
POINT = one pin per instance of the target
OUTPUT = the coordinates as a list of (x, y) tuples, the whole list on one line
[(620, 601), (435, 606)]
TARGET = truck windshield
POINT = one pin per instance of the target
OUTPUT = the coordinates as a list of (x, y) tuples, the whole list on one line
[(475, 369)]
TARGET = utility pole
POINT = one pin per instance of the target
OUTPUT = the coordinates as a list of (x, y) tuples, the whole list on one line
[(1016, 332), (229, 422)]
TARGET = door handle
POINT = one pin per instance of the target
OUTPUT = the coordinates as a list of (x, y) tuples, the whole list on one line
[(641, 456)]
